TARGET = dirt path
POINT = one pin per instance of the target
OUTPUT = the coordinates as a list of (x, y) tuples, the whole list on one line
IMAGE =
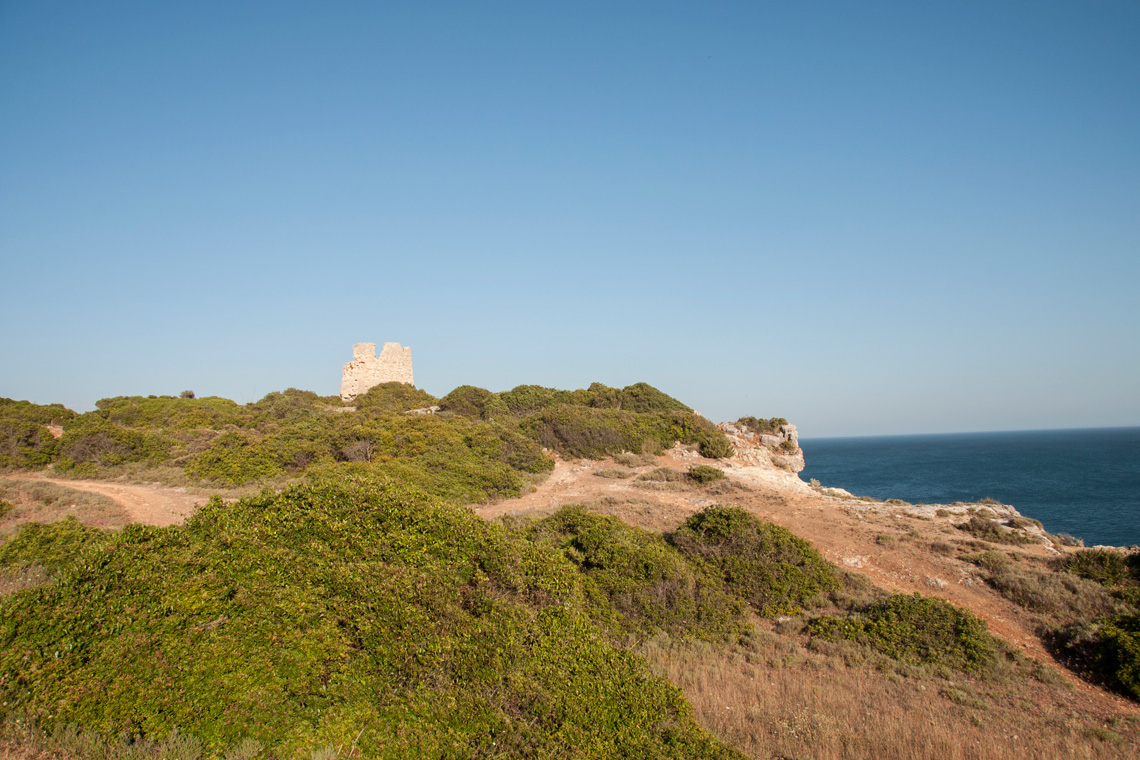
[(150, 505), (897, 551)]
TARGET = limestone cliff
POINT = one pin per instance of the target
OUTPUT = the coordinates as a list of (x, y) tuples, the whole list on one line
[(780, 448)]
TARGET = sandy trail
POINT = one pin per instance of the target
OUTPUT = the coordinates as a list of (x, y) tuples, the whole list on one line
[(150, 505)]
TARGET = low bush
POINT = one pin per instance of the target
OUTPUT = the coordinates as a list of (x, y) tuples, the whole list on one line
[(394, 397), (988, 529), (645, 399), (25, 443), (1103, 566), (761, 426), (1061, 597), (647, 582), (96, 442), (1117, 653), (40, 414), (916, 629), (169, 412), (466, 400), (664, 475), (702, 473), (234, 459), (767, 565), (629, 459)]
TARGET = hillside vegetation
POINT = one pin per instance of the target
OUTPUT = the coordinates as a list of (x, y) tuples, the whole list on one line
[(356, 607), (481, 445)]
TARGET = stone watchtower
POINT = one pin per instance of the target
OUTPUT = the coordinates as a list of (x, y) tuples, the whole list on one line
[(366, 369)]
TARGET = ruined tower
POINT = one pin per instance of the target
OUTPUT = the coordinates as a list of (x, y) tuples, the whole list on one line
[(367, 369)]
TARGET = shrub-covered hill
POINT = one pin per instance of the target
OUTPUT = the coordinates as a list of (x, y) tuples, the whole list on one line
[(480, 445), (324, 616)]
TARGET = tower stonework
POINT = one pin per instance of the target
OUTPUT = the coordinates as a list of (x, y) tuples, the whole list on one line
[(367, 369)]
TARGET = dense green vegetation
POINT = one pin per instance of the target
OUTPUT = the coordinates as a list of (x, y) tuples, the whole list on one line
[(642, 584), (916, 629), (480, 445), (766, 565), (320, 616), (24, 438), (364, 606), (369, 612)]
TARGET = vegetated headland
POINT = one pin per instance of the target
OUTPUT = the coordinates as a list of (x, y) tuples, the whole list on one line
[(596, 573)]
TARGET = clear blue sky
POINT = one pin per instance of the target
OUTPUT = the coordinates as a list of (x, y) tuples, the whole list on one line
[(866, 217)]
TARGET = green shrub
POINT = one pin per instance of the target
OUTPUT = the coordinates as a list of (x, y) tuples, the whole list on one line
[(527, 399), (692, 428), (702, 473), (234, 459), (988, 529), (39, 414), (394, 397), (1060, 596), (25, 444), (761, 426), (766, 565), (91, 440), (916, 629), (715, 446), (644, 398), (645, 581), (355, 616), (1103, 566), (168, 412), (576, 431), (1117, 653), (290, 407), (5, 508), (466, 400)]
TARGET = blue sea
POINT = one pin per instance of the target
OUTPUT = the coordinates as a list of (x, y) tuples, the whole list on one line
[(1082, 482)]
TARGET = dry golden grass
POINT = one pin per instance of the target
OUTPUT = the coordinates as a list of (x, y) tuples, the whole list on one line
[(36, 501), (13, 579), (773, 698)]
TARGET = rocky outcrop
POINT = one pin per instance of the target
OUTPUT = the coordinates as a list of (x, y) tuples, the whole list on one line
[(367, 369), (780, 448)]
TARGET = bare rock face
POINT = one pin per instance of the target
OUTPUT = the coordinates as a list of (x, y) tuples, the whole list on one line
[(367, 369), (781, 449)]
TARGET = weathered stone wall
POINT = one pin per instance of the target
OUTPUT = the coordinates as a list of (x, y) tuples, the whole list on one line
[(367, 369)]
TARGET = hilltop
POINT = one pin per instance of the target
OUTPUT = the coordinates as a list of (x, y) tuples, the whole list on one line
[(533, 573)]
